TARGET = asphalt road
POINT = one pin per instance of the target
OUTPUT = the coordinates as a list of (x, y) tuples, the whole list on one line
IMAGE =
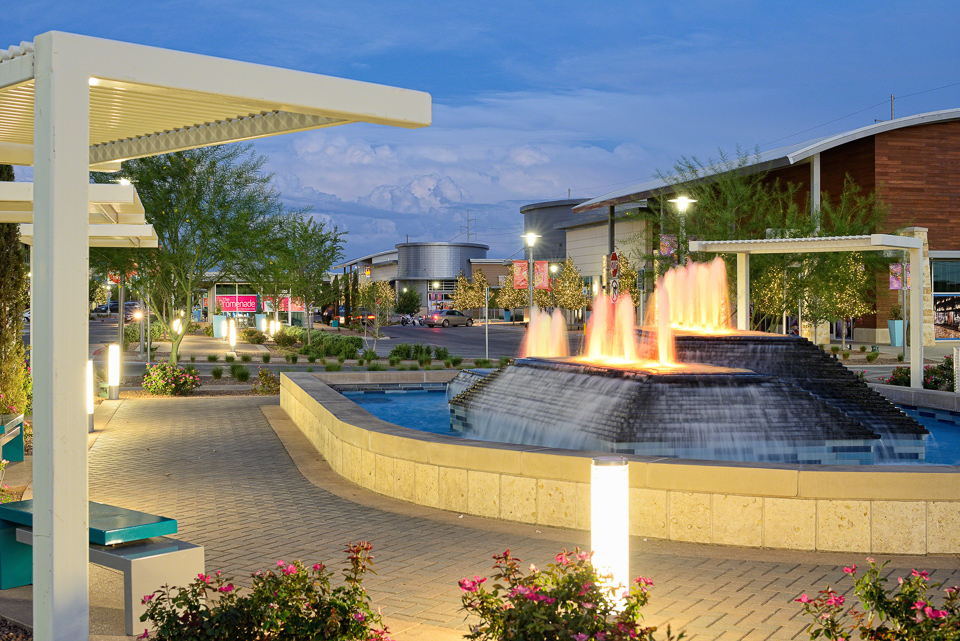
[(468, 342)]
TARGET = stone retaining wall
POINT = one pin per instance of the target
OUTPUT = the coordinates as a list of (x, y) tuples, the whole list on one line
[(883, 510)]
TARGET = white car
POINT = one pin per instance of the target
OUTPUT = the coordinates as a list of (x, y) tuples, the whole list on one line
[(26, 316)]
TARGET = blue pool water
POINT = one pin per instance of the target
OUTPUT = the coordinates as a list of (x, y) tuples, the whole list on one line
[(425, 410), (428, 411)]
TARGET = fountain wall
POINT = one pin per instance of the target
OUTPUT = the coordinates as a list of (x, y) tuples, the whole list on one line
[(880, 510)]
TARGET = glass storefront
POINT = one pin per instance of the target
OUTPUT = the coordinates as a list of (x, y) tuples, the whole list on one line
[(946, 298)]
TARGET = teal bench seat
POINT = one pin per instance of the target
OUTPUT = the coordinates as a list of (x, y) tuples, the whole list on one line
[(135, 543), (12, 439)]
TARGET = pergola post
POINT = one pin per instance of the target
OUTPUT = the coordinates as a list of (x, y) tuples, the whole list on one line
[(59, 324), (916, 316), (743, 291)]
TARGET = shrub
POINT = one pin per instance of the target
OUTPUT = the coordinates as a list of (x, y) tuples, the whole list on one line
[(419, 350), (169, 380), (455, 361), (482, 362), (348, 351), (424, 361), (309, 369), (253, 336), (216, 373), (369, 355), (566, 600), (441, 353), (267, 382), (935, 377), (376, 367), (846, 354), (323, 361), (230, 359), (294, 358), (341, 358), (193, 358), (900, 376), (504, 361), (900, 357), (207, 330), (212, 358), (903, 611), (246, 358), (286, 357), (240, 372), (835, 349), (265, 357), (311, 359), (394, 361), (285, 338), (295, 602), (863, 348), (333, 367), (131, 333), (872, 356), (448, 363), (401, 352)]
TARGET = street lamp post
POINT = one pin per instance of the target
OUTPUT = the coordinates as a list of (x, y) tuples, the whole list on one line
[(531, 239), (683, 203)]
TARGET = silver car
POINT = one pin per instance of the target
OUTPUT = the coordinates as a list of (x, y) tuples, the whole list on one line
[(447, 317)]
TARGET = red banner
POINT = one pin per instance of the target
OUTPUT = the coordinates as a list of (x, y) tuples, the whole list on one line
[(241, 303), (541, 275), (284, 304), (519, 274)]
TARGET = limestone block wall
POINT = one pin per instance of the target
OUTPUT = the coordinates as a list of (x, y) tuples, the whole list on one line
[(880, 510)]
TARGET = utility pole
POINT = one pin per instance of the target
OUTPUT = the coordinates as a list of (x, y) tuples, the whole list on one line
[(469, 220), (891, 106)]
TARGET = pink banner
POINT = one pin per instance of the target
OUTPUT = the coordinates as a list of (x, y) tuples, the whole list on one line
[(541, 275), (284, 304), (519, 274), (241, 303)]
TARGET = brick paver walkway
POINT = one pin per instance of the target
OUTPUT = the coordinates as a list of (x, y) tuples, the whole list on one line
[(217, 466)]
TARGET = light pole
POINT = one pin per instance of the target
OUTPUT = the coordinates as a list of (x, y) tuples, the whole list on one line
[(682, 204), (531, 239), (138, 316), (436, 287), (553, 290)]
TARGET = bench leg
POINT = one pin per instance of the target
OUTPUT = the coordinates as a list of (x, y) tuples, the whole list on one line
[(147, 575), (16, 559)]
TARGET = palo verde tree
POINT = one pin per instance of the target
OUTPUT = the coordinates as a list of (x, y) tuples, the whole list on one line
[(14, 298), (734, 202), (310, 251), (205, 204), (379, 298)]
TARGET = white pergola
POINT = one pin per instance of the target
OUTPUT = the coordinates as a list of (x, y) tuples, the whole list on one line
[(70, 103), (873, 242)]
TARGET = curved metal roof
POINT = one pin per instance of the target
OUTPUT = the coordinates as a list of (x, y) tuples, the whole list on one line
[(780, 157)]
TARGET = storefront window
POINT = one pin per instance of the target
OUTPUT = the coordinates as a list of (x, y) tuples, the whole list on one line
[(946, 299)]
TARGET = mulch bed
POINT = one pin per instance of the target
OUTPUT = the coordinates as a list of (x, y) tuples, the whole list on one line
[(10, 631)]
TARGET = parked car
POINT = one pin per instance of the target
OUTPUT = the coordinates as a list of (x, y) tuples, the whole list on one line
[(362, 316), (448, 317), (26, 316)]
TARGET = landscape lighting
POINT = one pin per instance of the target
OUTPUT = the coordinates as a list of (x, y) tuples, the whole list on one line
[(610, 520), (113, 371)]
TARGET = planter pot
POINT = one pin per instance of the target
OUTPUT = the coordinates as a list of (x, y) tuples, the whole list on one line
[(895, 327)]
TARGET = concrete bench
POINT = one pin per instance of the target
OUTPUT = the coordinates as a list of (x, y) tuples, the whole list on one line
[(135, 543), (12, 439)]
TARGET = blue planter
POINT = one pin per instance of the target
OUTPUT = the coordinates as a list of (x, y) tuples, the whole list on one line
[(895, 327)]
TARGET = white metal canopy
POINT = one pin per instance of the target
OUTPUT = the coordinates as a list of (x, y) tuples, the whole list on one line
[(69, 103), (872, 242), (106, 203)]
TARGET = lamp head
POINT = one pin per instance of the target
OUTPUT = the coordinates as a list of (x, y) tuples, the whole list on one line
[(531, 238), (682, 203)]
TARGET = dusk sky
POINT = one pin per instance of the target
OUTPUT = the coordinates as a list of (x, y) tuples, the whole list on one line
[(531, 99)]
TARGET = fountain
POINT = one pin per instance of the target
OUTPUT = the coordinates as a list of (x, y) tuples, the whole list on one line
[(688, 387)]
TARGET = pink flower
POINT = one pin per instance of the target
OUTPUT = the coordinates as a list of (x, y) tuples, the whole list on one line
[(951, 590), (281, 563), (803, 599), (145, 635), (900, 580), (533, 568), (919, 605), (643, 581), (204, 577), (852, 570), (934, 614), (922, 574), (226, 588), (600, 636), (290, 569), (360, 616), (869, 559), (147, 599), (581, 637), (470, 586), (835, 599), (562, 558), (589, 606), (318, 566), (583, 556)]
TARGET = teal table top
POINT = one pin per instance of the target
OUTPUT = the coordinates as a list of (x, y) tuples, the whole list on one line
[(109, 525)]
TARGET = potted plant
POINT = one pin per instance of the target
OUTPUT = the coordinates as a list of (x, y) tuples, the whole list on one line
[(895, 325)]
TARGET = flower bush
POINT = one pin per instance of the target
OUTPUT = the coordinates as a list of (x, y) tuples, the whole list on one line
[(267, 382), (290, 602), (567, 601), (937, 377), (907, 613), (170, 380)]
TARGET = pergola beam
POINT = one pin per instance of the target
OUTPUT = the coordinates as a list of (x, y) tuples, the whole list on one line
[(874, 242)]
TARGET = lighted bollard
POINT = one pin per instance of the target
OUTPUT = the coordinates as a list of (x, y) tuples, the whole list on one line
[(610, 520), (113, 371)]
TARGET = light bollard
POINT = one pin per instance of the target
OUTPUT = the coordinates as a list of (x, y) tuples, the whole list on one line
[(223, 329), (233, 338), (90, 393), (113, 371), (610, 521), (176, 325), (273, 327), (263, 324)]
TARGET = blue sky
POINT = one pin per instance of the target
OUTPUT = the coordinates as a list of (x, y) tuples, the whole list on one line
[(531, 99)]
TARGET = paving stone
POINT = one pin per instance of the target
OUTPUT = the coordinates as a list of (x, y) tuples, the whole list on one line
[(217, 466)]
